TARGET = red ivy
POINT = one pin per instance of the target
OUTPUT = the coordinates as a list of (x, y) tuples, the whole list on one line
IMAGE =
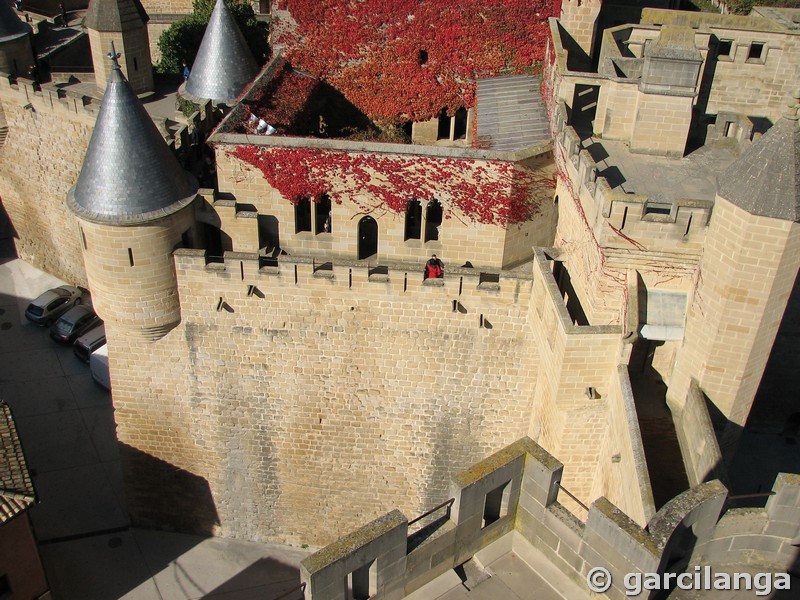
[(408, 59), (281, 101), (491, 192)]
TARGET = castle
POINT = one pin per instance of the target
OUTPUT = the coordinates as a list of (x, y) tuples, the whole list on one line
[(281, 371)]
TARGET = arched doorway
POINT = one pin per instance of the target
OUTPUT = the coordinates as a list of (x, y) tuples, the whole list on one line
[(367, 238)]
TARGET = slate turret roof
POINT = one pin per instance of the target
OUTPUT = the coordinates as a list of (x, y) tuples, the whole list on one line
[(115, 15), (129, 175), (11, 27), (765, 179), (224, 64)]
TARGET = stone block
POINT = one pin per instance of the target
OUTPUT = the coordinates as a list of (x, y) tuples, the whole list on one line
[(760, 543)]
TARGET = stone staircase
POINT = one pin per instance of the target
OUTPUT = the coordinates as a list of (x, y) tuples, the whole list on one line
[(511, 113), (3, 135)]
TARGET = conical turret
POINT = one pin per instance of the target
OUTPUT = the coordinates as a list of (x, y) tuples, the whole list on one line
[(134, 206), (129, 174), (16, 53), (765, 179), (224, 64)]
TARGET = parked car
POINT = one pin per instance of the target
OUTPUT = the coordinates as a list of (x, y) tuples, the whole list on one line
[(73, 324), (98, 365), (52, 304), (89, 342)]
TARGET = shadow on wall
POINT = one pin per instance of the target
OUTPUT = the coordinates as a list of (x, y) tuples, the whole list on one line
[(265, 579), (7, 236), (162, 496)]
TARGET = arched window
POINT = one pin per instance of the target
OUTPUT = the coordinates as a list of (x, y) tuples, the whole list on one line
[(444, 125), (322, 216), (433, 220), (302, 215), (367, 237), (460, 126), (413, 220)]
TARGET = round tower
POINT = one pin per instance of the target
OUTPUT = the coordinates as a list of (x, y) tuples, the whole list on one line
[(224, 64), (134, 206), (16, 52), (124, 23)]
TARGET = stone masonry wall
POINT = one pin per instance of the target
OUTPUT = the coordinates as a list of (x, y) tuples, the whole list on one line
[(661, 125), (308, 407), (39, 162), (135, 61), (460, 239), (622, 474), (741, 83), (580, 19), (564, 419), (154, 7)]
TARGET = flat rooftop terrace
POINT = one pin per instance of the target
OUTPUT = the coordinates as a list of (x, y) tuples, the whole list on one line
[(663, 180)]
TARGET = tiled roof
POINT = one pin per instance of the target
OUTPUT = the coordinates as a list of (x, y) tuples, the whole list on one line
[(511, 114), (16, 487)]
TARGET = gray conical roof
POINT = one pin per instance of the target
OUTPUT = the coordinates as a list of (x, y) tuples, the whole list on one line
[(224, 64), (115, 15), (129, 175), (11, 27), (765, 179)]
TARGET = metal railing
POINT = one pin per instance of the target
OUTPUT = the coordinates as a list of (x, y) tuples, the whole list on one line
[(571, 495), (298, 588), (447, 503)]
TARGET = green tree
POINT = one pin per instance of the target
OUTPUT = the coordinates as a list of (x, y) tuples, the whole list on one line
[(181, 41)]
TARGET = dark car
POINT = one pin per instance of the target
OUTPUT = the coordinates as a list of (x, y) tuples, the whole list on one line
[(52, 304), (73, 324), (89, 342)]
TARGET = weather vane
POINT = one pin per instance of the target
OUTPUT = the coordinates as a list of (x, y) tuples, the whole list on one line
[(114, 56)]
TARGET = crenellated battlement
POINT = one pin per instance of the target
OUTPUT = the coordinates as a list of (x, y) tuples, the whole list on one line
[(625, 220), (47, 97), (240, 279), (511, 501)]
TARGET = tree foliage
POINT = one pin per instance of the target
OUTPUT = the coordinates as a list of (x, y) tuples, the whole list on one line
[(181, 41)]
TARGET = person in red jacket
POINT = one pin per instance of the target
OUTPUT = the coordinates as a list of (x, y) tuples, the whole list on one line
[(434, 268)]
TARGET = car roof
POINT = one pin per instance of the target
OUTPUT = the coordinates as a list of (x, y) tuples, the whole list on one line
[(60, 292), (46, 298), (94, 334), (76, 312)]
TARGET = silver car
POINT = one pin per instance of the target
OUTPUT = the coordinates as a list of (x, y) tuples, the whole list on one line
[(52, 304)]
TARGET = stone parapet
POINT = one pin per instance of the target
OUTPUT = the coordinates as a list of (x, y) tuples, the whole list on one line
[(526, 480), (630, 221)]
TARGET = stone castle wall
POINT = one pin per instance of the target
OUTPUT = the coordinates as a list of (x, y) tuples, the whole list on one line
[(307, 406), (135, 61), (155, 7), (741, 83), (565, 419), (460, 237), (40, 160)]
